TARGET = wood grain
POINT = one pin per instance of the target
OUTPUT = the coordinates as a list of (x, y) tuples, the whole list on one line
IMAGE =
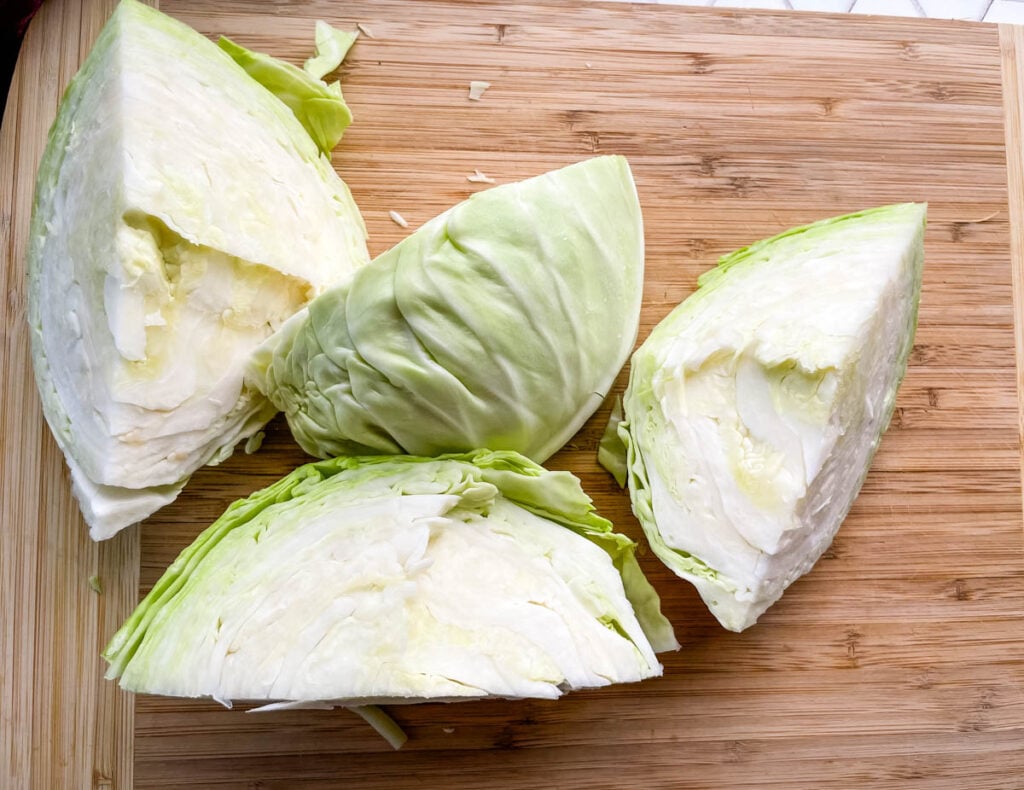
[(1011, 40), (895, 663)]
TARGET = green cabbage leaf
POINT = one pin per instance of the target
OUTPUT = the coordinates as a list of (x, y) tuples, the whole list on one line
[(501, 323), (317, 105)]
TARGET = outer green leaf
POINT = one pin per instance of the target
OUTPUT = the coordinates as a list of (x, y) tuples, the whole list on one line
[(501, 323), (319, 107), (611, 452), (332, 45)]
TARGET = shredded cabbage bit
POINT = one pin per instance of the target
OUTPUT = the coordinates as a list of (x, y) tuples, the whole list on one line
[(332, 46), (480, 178), (477, 88)]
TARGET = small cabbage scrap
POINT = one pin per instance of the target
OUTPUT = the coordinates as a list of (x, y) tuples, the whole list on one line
[(754, 409), (332, 45), (480, 178), (477, 88), (160, 257), (502, 323), (396, 579)]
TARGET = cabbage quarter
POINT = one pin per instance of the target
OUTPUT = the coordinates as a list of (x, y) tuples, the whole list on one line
[(501, 323), (396, 579), (182, 214), (754, 409)]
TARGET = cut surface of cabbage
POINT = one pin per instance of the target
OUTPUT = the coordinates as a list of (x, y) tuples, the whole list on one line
[(182, 215), (754, 409), (397, 579)]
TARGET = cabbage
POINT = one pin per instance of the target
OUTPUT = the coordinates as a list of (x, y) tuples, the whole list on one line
[(502, 323), (332, 45), (360, 581), (182, 215), (319, 107), (754, 409)]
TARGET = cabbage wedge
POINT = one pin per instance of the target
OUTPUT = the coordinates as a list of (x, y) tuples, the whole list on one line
[(754, 409), (501, 323), (182, 214), (396, 579)]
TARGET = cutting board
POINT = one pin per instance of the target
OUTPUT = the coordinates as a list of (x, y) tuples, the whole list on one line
[(897, 662)]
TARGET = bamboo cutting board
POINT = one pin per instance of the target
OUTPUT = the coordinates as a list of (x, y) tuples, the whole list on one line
[(897, 662)]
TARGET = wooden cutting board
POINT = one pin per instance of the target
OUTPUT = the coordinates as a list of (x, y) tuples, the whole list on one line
[(897, 662)]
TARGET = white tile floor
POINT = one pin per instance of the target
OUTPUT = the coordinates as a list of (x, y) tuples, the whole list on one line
[(975, 10)]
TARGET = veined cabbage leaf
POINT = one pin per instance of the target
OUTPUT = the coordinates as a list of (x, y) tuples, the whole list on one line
[(182, 215), (501, 323), (754, 409), (397, 579)]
